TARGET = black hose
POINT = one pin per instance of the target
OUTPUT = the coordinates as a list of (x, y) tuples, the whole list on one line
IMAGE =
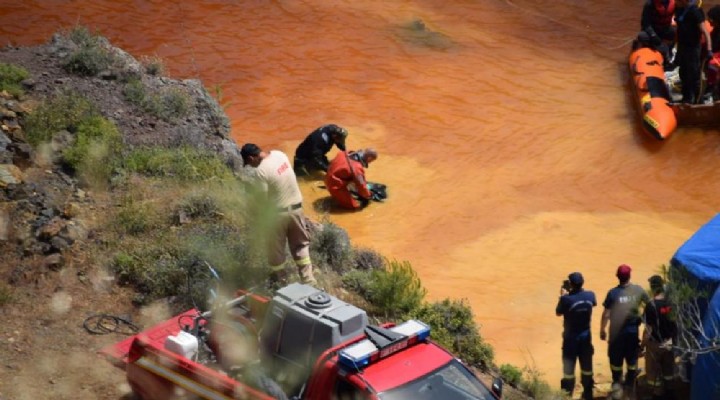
[(102, 324)]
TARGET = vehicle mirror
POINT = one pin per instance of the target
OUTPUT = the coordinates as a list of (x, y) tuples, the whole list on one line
[(497, 386)]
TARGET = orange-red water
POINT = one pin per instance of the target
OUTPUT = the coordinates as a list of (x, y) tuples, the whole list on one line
[(508, 140)]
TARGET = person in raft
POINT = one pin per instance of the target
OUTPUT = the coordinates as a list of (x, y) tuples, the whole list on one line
[(690, 20), (656, 20)]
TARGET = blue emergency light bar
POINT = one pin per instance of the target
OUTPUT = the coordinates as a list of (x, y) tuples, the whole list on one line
[(365, 352)]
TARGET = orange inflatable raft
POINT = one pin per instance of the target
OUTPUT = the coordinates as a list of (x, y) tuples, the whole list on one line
[(648, 78)]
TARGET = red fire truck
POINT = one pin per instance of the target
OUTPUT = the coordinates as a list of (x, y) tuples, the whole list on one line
[(300, 344)]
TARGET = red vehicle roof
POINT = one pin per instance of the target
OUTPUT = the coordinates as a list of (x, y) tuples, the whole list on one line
[(405, 366)]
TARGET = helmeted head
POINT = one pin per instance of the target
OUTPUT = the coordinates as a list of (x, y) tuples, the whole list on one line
[(250, 153), (576, 280), (623, 273), (338, 135)]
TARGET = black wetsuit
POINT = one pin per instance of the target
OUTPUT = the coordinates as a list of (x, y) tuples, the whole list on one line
[(310, 155), (688, 21)]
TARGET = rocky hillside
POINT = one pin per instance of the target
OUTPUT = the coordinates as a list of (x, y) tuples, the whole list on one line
[(49, 218), (115, 182)]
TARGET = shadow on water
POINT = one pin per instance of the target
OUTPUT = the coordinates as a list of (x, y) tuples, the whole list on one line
[(326, 205)]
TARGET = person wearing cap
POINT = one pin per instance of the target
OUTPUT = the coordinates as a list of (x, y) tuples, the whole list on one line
[(311, 154), (657, 339), (575, 306), (345, 178), (622, 310), (279, 188)]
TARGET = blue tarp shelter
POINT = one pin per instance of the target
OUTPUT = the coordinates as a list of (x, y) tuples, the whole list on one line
[(700, 257)]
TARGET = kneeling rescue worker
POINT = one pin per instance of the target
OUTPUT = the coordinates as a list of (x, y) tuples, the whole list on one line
[(310, 156), (345, 179), (575, 306)]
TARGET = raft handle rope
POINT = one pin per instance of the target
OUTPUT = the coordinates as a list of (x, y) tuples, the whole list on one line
[(102, 324)]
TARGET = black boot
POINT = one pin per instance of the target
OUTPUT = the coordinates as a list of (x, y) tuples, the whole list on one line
[(587, 383), (568, 385)]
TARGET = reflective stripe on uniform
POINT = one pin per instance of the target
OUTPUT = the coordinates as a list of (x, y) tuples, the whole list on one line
[(180, 380), (303, 261), (586, 373), (616, 368), (568, 376)]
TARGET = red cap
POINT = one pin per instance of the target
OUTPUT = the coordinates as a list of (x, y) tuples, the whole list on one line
[(623, 272)]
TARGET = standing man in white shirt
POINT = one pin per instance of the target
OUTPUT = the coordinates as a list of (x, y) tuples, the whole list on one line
[(277, 181)]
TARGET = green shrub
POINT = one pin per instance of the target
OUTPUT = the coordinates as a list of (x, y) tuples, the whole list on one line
[(169, 104), (173, 104), (396, 290), (135, 217), (91, 57), (534, 386), (454, 327), (200, 206), (66, 111), (97, 145), (6, 295), (157, 271), (230, 252), (174, 263), (135, 93), (153, 65), (185, 164), (89, 61), (10, 78), (81, 36), (359, 281), (688, 296), (330, 247), (367, 259), (511, 374)]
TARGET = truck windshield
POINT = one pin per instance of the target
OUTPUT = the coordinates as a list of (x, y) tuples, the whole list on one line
[(452, 381)]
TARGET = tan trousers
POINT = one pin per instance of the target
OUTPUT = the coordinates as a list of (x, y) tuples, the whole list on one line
[(293, 230)]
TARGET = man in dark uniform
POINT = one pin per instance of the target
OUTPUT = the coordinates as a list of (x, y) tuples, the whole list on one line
[(658, 337), (575, 305), (690, 20), (656, 21), (310, 156), (622, 305)]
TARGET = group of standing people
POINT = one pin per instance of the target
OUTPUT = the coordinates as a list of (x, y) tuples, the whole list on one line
[(621, 311), (695, 45), (276, 182)]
